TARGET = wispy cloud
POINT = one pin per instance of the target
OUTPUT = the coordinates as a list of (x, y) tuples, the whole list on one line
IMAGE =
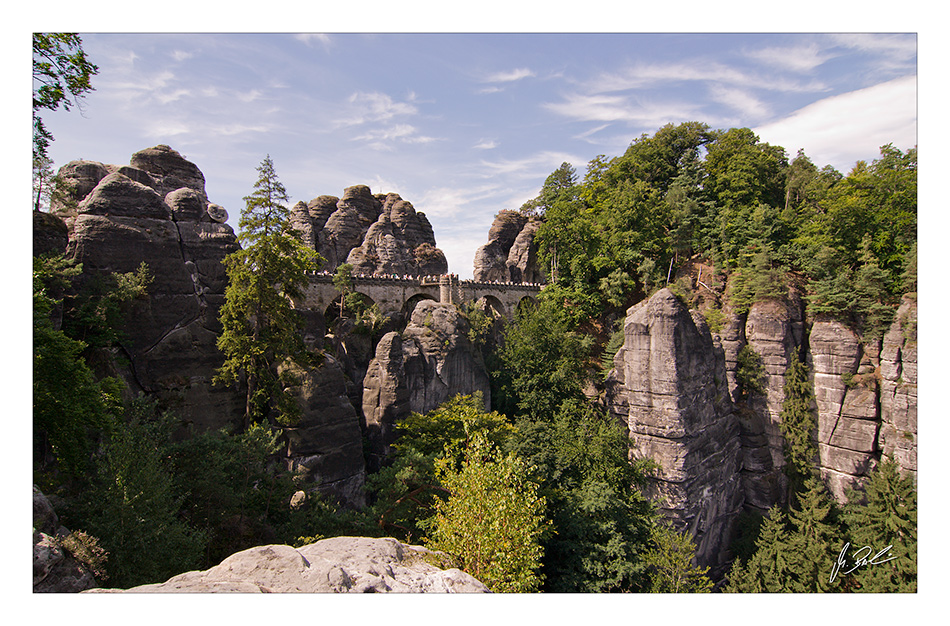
[(311, 39), (740, 100), (486, 144), (181, 55), (405, 133), (842, 129), (619, 108), (509, 76), (374, 107), (535, 165), (647, 75), (802, 59)]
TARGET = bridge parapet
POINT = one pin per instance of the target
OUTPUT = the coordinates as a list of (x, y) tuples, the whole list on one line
[(393, 292)]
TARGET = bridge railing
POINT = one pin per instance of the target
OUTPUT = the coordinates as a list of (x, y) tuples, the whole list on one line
[(425, 281)]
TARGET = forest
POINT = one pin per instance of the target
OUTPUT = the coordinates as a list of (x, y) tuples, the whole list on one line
[(539, 493)]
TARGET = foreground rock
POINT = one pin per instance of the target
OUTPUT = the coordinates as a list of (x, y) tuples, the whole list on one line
[(337, 565), (55, 570), (669, 386)]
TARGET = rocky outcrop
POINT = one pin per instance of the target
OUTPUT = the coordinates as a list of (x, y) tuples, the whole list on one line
[(324, 449), (376, 234), (847, 411), (431, 361), (336, 565), (55, 570), (156, 212), (669, 386), (50, 234), (511, 253), (898, 433)]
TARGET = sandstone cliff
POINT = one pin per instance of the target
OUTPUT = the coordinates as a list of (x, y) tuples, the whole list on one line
[(669, 386), (511, 253), (156, 211), (55, 570), (337, 565), (376, 234), (431, 361)]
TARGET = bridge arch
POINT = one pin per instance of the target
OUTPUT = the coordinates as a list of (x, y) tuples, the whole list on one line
[(411, 303), (490, 302)]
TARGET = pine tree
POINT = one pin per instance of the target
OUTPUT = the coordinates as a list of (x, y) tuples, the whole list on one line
[(260, 326), (798, 424), (884, 515), (795, 551), (671, 564)]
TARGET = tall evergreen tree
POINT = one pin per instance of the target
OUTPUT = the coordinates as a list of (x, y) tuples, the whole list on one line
[(884, 515), (798, 424), (260, 326)]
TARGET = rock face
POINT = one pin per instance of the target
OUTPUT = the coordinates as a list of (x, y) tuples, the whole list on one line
[(376, 234), (669, 386), (510, 254), (54, 569), (430, 362), (898, 434), (156, 212), (324, 449), (337, 565)]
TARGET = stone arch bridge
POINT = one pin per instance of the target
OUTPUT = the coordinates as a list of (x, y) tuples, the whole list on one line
[(401, 294)]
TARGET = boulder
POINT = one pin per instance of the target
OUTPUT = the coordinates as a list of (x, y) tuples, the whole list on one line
[(169, 170), (336, 565)]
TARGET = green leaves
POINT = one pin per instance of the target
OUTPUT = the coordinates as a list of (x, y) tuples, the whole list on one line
[(260, 327), (493, 520)]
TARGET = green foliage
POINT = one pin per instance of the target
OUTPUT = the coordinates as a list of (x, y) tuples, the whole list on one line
[(61, 76), (260, 326), (885, 514), (610, 350), (670, 561), (543, 360), (750, 372), (70, 407), (601, 522), (404, 489), (795, 551), (86, 549), (492, 521), (798, 424), (131, 505)]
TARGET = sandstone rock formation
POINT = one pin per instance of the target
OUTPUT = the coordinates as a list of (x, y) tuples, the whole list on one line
[(54, 569), (669, 386), (898, 433), (510, 254), (376, 234), (324, 449), (156, 211), (430, 362), (337, 565)]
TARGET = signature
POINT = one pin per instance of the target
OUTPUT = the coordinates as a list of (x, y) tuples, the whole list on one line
[(862, 557)]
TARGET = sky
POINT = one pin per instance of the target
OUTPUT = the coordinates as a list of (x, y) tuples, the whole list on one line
[(463, 125)]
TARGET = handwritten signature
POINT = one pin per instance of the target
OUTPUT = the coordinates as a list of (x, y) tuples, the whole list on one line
[(862, 557)]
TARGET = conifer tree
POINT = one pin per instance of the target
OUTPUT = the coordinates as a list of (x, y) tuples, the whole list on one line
[(884, 515), (260, 326), (798, 424), (671, 563)]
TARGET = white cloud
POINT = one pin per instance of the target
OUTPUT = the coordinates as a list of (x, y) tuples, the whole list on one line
[(607, 108), (374, 107), (540, 164), (803, 58), (405, 133), (509, 76), (740, 100), (853, 126), (311, 38), (181, 55), (492, 89), (663, 74), (486, 144)]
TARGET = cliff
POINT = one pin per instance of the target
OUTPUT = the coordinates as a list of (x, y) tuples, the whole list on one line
[(674, 384)]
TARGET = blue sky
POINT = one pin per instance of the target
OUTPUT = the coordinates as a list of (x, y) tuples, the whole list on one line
[(464, 125)]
